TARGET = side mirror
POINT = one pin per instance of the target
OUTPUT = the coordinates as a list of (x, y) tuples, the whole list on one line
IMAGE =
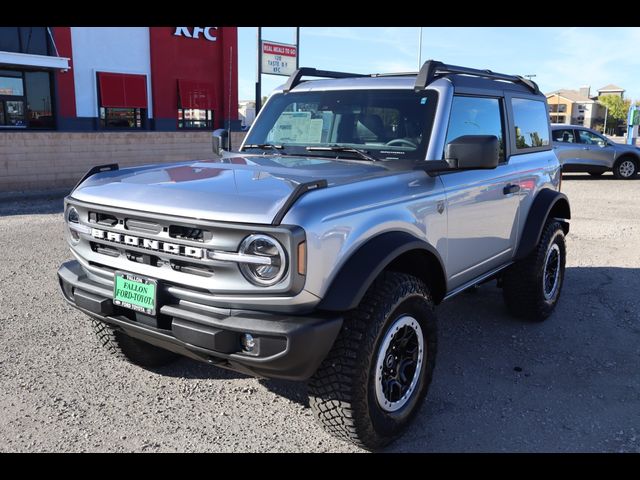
[(220, 141), (471, 152)]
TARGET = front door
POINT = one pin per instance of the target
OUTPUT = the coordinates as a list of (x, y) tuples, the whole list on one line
[(566, 146), (595, 149), (482, 205)]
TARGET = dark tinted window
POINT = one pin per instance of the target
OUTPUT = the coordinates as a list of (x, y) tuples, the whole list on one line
[(9, 39), (565, 135), (476, 116), (34, 40), (531, 123), (39, 107)]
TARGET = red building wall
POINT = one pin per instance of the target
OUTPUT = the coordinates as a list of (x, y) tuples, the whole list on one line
[(66, 84), (176, 58)]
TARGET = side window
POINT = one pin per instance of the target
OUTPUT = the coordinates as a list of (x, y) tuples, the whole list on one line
[(564, 136), (531, 123), (590, 138), (476, 116)]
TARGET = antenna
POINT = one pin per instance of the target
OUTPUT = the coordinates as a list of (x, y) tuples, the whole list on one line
[(230, 80)]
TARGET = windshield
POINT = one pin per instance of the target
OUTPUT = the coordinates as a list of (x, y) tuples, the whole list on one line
[(383, 124)]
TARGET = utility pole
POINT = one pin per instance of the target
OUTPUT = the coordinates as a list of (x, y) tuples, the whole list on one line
[(419, 47), (297, 48), (606, 114), (259, 72)]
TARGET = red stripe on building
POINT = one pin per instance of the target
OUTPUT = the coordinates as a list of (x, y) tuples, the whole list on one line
[(66, 84)]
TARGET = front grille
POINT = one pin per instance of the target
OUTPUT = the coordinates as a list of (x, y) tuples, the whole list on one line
[(198, 253)]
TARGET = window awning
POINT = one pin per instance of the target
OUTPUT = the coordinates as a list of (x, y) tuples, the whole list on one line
[(30, 60), (200, 95), (122, 90)]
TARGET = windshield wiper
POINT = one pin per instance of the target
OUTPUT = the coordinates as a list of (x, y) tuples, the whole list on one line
[(263, 146), (337, 148)]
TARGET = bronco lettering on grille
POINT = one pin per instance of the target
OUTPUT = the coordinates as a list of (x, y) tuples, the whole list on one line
[(160, 246)]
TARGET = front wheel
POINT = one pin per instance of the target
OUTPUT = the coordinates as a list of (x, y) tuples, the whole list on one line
[(625, 168), (532, 286), (378, 372)]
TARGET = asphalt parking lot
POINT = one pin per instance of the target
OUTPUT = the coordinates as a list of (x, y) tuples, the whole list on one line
[(571, 384)]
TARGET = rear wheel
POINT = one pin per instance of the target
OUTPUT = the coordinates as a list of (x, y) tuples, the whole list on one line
[(130, 349), (625, 168), (532, 286), (378, 372)]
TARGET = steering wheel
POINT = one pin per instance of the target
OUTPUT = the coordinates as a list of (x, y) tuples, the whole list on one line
[(401, 142)]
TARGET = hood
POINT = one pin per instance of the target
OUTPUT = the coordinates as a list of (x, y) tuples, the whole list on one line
[(242, 189)]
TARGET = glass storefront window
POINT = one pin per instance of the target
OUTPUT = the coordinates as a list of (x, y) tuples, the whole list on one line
[(15, 113), (25, 99), (39, 106), (11, 86), (195, 118), (121, 117)]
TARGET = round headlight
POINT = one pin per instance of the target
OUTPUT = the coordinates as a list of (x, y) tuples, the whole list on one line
[(267, 272), (72, 215)]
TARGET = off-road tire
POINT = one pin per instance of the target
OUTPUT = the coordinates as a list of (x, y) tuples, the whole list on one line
[(342, 391), (523, 287), (131, 349), (621, 168)]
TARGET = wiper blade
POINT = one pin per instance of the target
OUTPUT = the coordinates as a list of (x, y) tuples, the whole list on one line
[(263, 146), (336, 148)]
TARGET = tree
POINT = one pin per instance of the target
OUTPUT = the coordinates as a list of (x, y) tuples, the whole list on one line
[(618, 109)]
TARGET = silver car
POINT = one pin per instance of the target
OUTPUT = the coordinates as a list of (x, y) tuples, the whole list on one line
[(581, 149)]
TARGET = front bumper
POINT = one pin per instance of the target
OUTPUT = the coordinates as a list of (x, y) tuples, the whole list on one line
[(287, 346)]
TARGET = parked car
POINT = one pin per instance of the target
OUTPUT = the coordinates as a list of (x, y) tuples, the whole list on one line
[(319, 250), (581, 149)]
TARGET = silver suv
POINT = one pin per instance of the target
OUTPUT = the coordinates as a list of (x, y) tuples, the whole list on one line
[(581, 149), (318, 251)]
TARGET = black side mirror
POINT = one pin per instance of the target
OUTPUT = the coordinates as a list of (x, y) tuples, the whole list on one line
[(220, 141), (471, 152)]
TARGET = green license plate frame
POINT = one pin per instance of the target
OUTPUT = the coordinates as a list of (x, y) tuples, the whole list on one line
[(135, 292)]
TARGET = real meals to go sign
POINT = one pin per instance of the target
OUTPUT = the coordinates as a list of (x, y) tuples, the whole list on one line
[(278, 58)]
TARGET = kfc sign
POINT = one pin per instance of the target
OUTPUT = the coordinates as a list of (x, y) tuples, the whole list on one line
[(210, 33)]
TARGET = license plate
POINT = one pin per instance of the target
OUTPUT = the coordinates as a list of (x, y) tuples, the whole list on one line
[(135, 292)]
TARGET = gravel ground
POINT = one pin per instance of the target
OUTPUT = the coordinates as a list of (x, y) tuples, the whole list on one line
[(569, 384)]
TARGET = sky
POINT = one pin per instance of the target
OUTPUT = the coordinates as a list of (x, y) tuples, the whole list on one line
[(559, 57)]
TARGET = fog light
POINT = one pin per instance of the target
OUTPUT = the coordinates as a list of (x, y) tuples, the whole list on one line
[(74, 235), (248, 342)]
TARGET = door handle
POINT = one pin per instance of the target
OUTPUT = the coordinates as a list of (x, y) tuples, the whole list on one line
[(511, 189), (586, 148)]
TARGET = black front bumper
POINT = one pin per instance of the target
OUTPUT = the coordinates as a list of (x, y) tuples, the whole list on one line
[(287, 346)]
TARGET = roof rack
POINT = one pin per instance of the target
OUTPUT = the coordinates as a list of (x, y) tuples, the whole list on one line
[(296, 77), (432, 68), (427, 74)]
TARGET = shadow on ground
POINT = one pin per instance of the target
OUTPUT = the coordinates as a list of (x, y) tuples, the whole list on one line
[(565, 384), (44, 204), (604, 177)]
